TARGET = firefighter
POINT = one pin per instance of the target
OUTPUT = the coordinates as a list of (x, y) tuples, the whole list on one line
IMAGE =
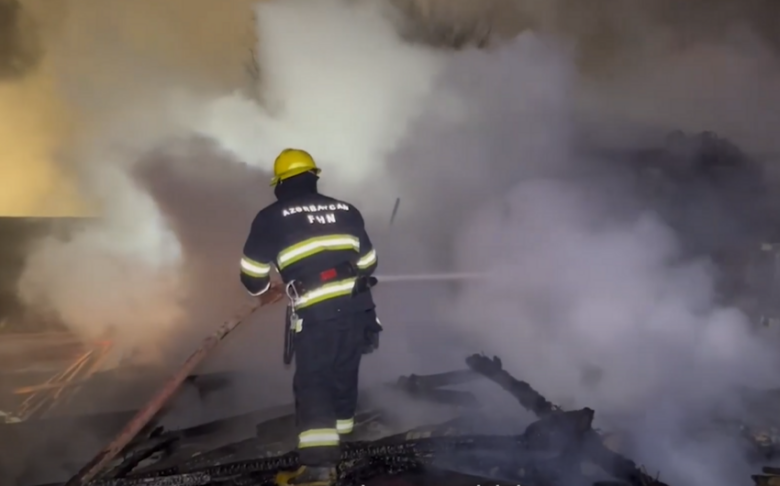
[(320, 248)]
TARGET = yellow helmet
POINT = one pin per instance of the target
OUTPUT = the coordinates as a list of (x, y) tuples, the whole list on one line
[(292, 162)]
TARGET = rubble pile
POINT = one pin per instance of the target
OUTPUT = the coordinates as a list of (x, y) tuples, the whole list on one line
[(552, 450), (467, 446)]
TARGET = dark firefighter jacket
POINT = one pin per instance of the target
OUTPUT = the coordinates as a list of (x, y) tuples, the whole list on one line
[(308, 237)]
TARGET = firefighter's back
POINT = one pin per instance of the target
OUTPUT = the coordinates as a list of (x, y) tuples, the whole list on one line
[(317, 241)]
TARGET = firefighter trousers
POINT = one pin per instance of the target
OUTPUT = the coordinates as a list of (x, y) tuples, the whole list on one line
[(327, 363)]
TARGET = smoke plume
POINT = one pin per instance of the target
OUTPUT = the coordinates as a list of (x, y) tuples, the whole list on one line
[(366, 112), (586, 274), (482, 147), (125, 97)]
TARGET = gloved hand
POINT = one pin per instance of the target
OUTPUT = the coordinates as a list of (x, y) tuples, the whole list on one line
[(371, 337), (364, 283), (274, 294)]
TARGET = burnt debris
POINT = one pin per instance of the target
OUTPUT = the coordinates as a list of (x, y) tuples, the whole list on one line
[(551, 451), (560, 448)]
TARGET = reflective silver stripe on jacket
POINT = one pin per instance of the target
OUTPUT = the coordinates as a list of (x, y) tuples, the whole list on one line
[(254, 268), (367, 260), (331, 290), (312, 246)]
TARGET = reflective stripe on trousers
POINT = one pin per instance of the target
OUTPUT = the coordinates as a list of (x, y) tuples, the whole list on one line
[(318, 438), (345, 426)]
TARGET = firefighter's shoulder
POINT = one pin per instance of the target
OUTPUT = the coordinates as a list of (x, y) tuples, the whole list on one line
[(266, 215)]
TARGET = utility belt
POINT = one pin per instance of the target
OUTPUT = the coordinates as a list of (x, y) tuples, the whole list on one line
[(338, 281), (302, 286)]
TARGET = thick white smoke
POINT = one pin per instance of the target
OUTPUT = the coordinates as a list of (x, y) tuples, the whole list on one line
[(476, 141), (123, 276), (576, 287), (577, 283), (336, 80), (116, 278), (582, 281)]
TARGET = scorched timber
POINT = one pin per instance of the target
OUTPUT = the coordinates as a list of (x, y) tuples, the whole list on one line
[(550, 452)]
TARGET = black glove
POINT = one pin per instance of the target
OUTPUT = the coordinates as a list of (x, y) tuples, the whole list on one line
[(371, 336), (364, 283)]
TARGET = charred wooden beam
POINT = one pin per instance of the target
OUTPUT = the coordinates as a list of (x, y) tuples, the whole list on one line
[(494, 458), (591, 443), (528, 398), (428, 382), (131, 460)]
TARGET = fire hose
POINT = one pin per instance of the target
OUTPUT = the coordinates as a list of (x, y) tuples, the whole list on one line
[(289, 332), (432, 277), (94, 467)]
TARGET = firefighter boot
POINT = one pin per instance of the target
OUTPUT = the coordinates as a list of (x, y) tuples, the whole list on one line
[(308, 476)]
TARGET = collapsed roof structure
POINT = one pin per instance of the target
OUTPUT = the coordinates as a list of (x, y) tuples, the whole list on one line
[(469, 447), (551, 450)]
